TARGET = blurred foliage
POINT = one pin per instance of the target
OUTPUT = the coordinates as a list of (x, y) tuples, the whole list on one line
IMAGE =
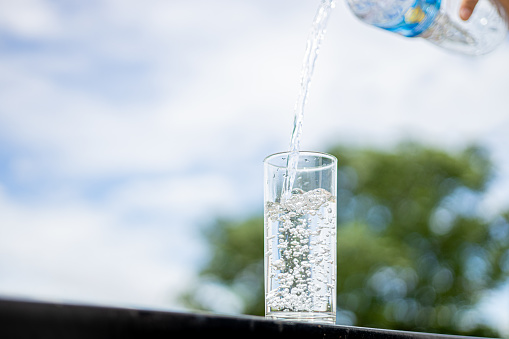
[(415, 250)]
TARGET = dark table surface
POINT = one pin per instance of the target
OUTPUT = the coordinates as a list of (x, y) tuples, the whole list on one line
[(29, 319)]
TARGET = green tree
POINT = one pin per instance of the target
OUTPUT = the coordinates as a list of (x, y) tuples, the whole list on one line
[(415, 251)]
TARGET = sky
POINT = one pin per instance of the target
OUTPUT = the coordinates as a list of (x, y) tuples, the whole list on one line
[(128, 126)]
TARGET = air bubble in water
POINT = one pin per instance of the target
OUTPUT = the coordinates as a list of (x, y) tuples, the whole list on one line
[(296, 275)]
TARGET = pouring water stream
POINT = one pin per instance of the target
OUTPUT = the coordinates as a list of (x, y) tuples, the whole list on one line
[(314, 42)]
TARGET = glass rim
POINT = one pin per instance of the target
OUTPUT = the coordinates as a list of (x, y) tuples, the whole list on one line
[(320, 154)]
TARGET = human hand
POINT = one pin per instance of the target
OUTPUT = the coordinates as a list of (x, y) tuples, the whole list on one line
[(467, 7)]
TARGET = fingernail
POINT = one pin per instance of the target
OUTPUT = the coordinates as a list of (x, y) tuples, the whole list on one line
[(465, 13)]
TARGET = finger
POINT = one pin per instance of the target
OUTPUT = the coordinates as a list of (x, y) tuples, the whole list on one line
[(466, 8)]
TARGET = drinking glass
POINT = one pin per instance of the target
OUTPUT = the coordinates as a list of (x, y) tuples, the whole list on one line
[(300, 238)]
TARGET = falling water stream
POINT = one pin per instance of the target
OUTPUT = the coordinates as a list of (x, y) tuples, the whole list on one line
[(314, 42)]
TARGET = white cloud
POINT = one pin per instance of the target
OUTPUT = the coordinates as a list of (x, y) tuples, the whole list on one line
[(245, 76), (79, 253), (495, 307), (198, 197), (28, 18)]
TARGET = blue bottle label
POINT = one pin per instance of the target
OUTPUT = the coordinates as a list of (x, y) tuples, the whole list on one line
[(416, 19)]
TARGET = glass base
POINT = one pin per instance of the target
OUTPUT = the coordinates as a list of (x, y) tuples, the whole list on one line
[(308, 317)]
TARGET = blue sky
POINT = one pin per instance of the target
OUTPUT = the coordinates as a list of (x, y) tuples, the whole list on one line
[(125, 126)]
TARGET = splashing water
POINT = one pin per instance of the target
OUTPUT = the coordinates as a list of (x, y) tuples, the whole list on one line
[(314, 41)]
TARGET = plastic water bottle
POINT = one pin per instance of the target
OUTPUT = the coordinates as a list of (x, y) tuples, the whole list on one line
[(438, 22)]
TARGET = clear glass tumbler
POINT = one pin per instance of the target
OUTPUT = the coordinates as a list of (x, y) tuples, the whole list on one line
[(300, 238)]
